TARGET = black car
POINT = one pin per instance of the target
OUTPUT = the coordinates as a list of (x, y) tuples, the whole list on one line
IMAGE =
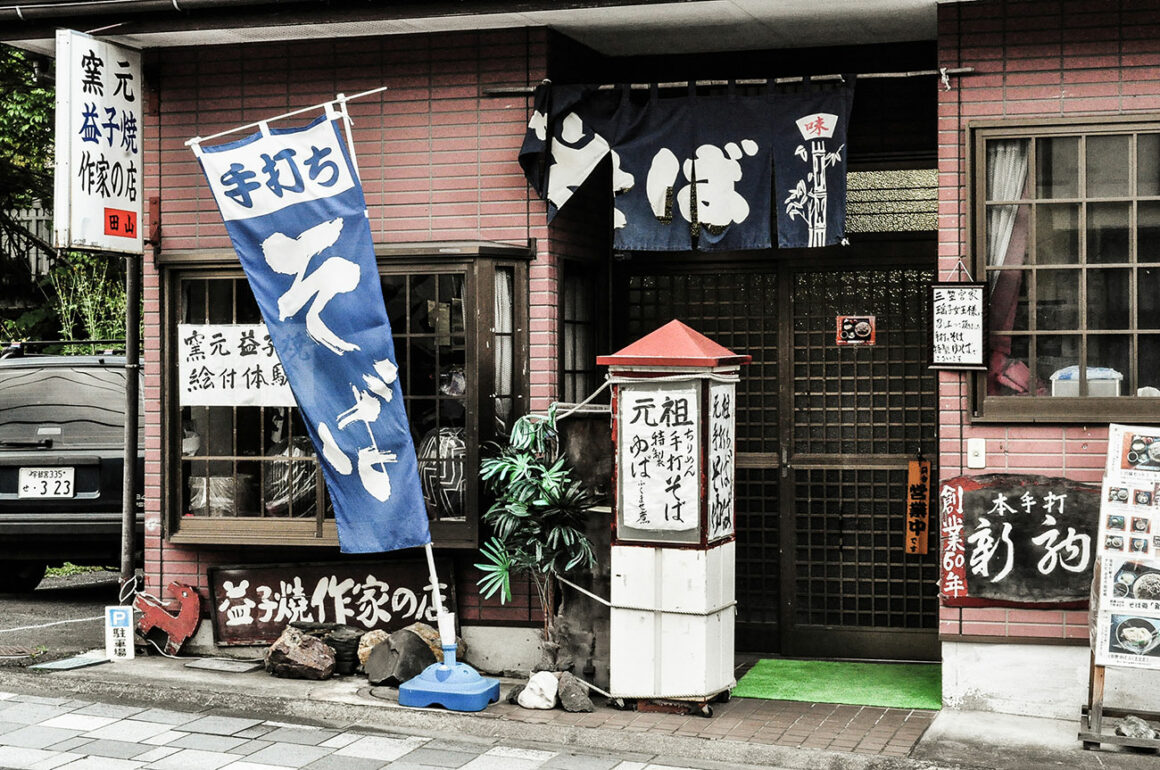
[(62, 438)]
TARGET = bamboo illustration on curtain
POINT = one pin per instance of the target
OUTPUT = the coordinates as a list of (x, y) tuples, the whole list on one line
[(295, 213), (810, 164), (693, 172)]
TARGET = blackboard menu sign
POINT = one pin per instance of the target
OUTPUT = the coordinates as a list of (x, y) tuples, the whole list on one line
[(253, 605), (1013, 539), (958, 326)]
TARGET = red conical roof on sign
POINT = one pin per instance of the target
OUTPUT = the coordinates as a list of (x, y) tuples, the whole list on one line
[(674, 344)]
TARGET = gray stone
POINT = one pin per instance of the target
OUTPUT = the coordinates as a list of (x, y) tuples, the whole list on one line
[(403, 656), (341, 638), (540, 692), (548, 652), (514, 695), (574, 694), (369, 641), (295, 655), (1134, 727)]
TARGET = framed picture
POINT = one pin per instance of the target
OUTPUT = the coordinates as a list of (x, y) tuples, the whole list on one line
[(958, 326)]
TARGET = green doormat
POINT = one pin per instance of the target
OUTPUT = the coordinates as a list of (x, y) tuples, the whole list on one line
[(892, 685)]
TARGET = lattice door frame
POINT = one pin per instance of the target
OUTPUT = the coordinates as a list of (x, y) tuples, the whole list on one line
[(835, 601), (769, 463)]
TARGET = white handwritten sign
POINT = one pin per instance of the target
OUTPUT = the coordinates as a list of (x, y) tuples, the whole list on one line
[(99, 122), (229, 365), (722, 435), (659, 458), (957, 326)]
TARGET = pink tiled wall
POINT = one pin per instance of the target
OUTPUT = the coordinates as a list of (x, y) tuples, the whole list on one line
[(1031, 59), (437, 155)]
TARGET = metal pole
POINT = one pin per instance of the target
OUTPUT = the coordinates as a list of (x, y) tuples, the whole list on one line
[(132, 380)]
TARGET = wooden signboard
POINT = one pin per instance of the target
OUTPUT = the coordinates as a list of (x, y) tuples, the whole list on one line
[(958, 326), (917, 506), (253, 605), (1012, 539)]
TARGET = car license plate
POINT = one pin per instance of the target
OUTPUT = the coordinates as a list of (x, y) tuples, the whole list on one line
[(46, 482)]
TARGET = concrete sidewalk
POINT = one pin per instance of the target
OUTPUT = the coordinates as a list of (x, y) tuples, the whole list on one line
[(741, 732)]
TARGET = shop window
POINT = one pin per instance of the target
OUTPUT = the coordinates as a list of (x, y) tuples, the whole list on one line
[(1067, 237), (246, 473)]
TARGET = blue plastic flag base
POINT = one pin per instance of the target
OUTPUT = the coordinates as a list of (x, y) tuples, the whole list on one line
[(452, 685)]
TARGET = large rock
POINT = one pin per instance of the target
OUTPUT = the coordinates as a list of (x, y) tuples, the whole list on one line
[(369, 641), (403, 656), (540, 691), (343, 639), (574, 694), (1134, 727), (296, 655)]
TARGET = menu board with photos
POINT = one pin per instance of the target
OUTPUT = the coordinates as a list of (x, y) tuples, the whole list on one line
[(1127, 582)]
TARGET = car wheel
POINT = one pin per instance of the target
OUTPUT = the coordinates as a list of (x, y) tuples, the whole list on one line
[(21, 576)]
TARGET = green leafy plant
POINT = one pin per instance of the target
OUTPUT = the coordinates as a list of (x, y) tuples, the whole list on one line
[(26, 123), (537, 518), (89, 292)]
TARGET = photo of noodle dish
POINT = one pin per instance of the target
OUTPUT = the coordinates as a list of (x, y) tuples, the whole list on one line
[(1139, 636), (1138, 580)]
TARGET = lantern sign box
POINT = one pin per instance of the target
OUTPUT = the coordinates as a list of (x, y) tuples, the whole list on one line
[(99, 165), (673, 552)]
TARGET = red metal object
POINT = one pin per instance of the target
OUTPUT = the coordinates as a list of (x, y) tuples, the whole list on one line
[(674, 344), (178, 619)]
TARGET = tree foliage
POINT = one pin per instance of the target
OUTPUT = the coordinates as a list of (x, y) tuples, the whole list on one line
[(26, 126)]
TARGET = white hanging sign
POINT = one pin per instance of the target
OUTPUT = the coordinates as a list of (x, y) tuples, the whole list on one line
[(722, 457), (659, 440), (958, 326), (98, 188), (229, 365)]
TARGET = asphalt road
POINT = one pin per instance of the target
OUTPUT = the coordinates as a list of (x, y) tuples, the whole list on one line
[(62, 617)]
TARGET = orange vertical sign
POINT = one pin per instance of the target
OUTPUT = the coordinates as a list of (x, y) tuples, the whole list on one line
[(917, 506)]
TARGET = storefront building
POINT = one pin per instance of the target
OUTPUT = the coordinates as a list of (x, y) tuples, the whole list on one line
[(496, 312)]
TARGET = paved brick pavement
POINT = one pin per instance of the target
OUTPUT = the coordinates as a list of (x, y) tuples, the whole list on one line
[(862, 729), (44, 733)]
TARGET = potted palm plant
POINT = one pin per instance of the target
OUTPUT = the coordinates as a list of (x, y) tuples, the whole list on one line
[(538, 516)]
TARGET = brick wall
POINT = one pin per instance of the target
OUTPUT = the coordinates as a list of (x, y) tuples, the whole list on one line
[(1032, 59), (438, 161)]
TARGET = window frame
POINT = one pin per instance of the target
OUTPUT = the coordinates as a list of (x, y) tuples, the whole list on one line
[(594, 328), (479, 263), (1045, 409)]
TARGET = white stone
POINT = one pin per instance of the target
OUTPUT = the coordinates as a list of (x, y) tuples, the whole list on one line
[(540, 692)]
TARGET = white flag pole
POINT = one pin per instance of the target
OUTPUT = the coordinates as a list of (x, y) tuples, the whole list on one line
[(445, 619), (256, 124)]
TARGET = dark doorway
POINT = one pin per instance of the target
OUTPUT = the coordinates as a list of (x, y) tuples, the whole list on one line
[(824, 434)]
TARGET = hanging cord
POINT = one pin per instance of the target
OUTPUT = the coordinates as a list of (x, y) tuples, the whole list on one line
[(612, 380), (128, 593)]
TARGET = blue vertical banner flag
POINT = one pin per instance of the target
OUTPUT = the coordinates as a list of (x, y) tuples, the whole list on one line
[(809, 160), (294, 210)]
